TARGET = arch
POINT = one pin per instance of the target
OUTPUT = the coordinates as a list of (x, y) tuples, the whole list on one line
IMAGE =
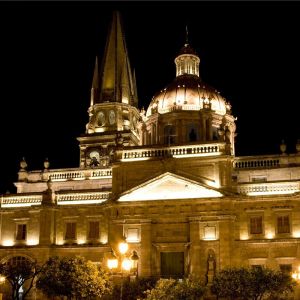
[(16, 258)]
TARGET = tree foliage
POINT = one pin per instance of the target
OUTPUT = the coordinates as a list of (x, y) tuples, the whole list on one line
[(73, 277), (17, 274), (252, 284), (132, 290), (171, 289)]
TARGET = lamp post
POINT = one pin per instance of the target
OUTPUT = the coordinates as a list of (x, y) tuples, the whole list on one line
[(2, 280), (296, 274), (126, 263)]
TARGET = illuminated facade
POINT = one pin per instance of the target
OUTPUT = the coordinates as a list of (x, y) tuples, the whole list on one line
[(166, 178)]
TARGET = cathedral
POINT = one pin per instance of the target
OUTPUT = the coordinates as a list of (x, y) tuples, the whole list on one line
[(165, 179)]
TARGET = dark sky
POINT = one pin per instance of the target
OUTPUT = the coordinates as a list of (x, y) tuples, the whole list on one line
[(249, 51)]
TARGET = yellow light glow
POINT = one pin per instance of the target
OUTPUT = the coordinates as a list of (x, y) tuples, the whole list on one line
[(135, 159), (2, 279), (19, 204), (209, 233), (112, 263), (270, 235), (126, 264), (32, 241), (197, 155), (104, 238), (123, 247), (59, 242), (296, 234), (8, 242), (169, 186), (81, 241), (99, 129), (296, 274), (271, 193), (244, 236), (80, 202)]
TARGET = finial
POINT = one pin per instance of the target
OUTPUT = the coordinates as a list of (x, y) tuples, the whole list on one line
[(46, 163), (186, 35), (283, 147), (23, 164)]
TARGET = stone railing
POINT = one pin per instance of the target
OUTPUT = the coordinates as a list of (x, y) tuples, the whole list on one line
[(20, 200), (82, 198), (175, 151), (269, 188), (68, 174), (244, 163)]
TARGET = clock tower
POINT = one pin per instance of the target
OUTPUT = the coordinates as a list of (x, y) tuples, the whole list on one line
[(113, 111)]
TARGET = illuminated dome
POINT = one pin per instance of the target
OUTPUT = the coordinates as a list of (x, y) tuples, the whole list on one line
[(187, 91)]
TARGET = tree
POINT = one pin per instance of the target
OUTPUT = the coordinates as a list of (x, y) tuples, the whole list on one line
[(171, 289), (252, 284), (17, 271), (133, 290), (73, 277)]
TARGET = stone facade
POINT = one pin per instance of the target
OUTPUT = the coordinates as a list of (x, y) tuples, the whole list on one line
[(178, 193)]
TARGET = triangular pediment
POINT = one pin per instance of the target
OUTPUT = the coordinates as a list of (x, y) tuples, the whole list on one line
[(169, 186)]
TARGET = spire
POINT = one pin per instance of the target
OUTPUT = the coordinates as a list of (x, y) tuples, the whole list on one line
[(116, 77), (95, 84), (135, 90), (187, 61), (186, 35)]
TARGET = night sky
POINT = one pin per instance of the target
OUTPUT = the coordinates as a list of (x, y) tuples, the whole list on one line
[(249, 52)]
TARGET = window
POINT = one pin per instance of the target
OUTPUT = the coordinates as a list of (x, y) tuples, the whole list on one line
[(93, 230), (17, 260), (283, 224), (286, 268), (172, 264), (192, 132), (256, 225), (169, 134), (210, 232), (70, 231), (133, 235), (21, 232)]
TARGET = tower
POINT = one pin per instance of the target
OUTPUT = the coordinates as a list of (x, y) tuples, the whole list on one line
[(113, 112)]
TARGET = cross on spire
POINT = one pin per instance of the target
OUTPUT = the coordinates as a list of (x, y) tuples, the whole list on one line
[(186, 35)]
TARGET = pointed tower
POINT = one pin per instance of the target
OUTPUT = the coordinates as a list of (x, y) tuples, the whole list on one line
[(113, 112)]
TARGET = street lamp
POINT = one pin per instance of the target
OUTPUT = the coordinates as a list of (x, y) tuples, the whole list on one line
[(296, 274), (126, 263), (2, 280)]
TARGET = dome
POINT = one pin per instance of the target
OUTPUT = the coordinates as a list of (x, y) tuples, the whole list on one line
[(187, 92)]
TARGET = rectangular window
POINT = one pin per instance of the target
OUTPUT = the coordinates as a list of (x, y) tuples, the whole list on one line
[(256, 225), (93, 230), (283, 224), (132, 235), (172, 264), (21, 232), (70, 231), (286, 268), (210, 232)]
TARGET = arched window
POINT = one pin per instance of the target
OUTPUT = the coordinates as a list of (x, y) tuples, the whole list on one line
[(192, 133), (169, 134)]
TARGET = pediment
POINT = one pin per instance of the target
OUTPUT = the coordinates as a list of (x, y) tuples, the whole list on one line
[(169, 186)]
